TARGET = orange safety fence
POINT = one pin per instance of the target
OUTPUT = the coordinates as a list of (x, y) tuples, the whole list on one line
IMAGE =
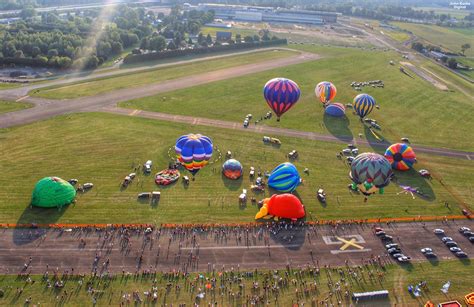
[(242, 224)]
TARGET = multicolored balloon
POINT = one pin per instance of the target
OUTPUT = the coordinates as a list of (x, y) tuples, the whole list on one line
[(281, 94), (401, 156), (370, 172), (284, 178), (232, 169), (194, 151), (325, 91), (335, 109), (281, 206), (363, 104)]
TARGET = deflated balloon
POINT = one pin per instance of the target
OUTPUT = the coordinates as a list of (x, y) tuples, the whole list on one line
[(335, 109)]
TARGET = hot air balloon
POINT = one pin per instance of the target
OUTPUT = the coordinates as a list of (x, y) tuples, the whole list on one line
[(363, 104), (281, 206), (325, 91), (281, 94), (335, 109), (52, 192), (370, 172), (194, 151), (232, 169), (401, 156), (284, 178)]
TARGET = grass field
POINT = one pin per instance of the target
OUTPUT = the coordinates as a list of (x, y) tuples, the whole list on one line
[(404, 102), (102, 149), (9, 106), (397, 35), (460, 14), (440, 36), (107, 84), (5, 86), (109, 291), (452, 80), (242, 31)]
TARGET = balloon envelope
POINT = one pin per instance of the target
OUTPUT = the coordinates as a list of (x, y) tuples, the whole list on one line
[(194, 151), (232, 169), (52, 192), (371, 167), (284, 178), (363, 104), (281, 94), (325, 91), (335, 109), (401, 156), (286, 206)]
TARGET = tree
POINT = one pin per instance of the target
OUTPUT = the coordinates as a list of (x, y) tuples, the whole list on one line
[(28, 12), (145, 44), (9, 49), (256, 38), (464, 47), (417, 46), (200, 38), (209, 39), (238, 38), (248, 39), (52, 53), (171, 46), (19, 54), (157, 43), (452, 63), (117, 47), (190, 41)]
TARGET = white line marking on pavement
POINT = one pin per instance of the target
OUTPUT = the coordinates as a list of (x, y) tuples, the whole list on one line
[(41, 249), (338, 251), (468, 157), (21, 98), (241, 247)]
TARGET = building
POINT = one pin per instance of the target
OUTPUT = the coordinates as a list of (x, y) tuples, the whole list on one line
[(268, 14), (223, 36)]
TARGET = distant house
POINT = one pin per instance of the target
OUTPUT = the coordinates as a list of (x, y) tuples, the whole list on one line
[(223, 36), (437, 55)]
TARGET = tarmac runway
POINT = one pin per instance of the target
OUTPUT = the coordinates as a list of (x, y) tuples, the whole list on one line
[(257, 248)]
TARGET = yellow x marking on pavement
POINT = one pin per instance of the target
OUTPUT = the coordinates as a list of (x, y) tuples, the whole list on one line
[(351, 242)]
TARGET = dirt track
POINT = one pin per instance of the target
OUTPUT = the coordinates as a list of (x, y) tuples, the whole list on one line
[(256, 248)]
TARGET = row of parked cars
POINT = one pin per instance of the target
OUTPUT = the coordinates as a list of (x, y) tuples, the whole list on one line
[(453, 245), (393, 249)]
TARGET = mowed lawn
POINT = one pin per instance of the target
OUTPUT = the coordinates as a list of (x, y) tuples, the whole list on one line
[(10, 106), (107, 84), (409, 107), (440, 36), (394, 278), (103, 149)]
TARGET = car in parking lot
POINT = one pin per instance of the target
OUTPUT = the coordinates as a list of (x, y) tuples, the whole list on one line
[(391, 245), (426, 250), (471, 239), (461, 254), (430, 255), (397, 255), (455, 249), (393, 250), (386, 238), (403, 258), (446, 239), (468, 234), (463, 229), (451, 244), (380, 233), (439, 231), (246, 123)]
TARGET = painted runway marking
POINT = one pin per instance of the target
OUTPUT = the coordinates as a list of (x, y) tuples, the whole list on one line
[(468, 157), (134, 112), (242, 247), (348, 244), (22, 98)]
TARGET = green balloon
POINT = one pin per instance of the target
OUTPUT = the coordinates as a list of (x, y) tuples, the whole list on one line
[(381, 191), (52, 192)]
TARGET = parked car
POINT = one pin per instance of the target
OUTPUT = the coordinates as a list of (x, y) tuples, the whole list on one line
[(464, 229), (446, 239), (430, 255), (393, 250), (380, 233), (387, 238), (439, 231), (391, 245), (471, 239), (451, 244), (461, 254), (246, 123), (147, 166), (397, 255), (403, 258), (468, 234), (455, 249), (426, 250)]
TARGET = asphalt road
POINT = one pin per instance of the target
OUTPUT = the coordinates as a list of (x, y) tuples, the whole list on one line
[(275, 131), (258, 248)]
